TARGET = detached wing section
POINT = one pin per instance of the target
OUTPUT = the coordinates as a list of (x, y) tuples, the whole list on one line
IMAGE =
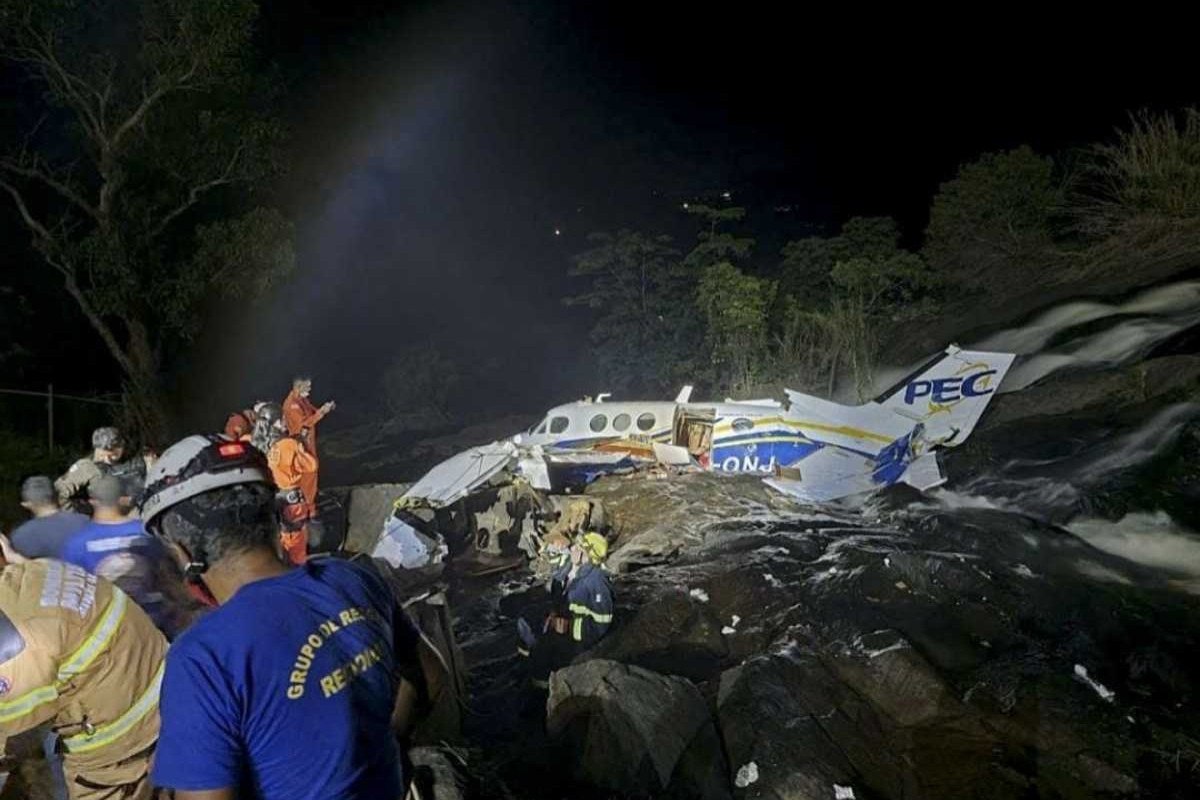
[(459, 475)]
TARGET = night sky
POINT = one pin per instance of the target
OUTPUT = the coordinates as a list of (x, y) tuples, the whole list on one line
[(438, 147)]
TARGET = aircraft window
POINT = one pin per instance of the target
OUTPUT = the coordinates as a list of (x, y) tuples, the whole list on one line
[(621, 422), (742, 424), (542, 428), (558, 424), (646, 422), (598, 423)]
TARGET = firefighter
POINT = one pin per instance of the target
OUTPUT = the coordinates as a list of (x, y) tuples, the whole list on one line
[(240, 424), (76, 653), (582, 615)]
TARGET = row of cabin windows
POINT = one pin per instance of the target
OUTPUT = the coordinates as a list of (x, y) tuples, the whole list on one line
[(620, 423)]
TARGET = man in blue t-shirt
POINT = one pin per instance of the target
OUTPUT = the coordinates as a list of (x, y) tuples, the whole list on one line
[(45, 535), (116, 546), (294, 687)]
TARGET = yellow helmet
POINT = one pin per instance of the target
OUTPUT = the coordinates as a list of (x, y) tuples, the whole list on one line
[(595, 545)]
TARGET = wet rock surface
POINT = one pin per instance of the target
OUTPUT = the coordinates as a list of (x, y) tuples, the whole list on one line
[(364, 509), (905, 649), (634, 731)]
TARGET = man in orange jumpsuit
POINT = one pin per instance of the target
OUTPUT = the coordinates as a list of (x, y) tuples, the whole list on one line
[(295, 472), (301, 416)]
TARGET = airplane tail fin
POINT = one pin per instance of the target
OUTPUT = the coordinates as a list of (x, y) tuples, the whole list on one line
[(949, 394)]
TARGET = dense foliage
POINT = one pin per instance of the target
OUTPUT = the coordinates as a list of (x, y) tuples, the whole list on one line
[(1007, 225)]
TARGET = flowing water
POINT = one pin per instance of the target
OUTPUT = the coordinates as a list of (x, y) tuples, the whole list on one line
[(1048, 590)]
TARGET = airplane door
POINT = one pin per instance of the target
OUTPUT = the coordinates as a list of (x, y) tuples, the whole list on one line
[(693, 429)]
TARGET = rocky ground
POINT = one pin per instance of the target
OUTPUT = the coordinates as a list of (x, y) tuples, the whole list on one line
[(767, 653), (968, 643)]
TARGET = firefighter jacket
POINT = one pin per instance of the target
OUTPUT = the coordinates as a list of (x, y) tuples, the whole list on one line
[(589, 600), (76, 652)]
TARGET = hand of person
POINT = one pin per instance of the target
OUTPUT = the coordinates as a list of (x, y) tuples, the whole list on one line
[(11, 556), (330, 406)]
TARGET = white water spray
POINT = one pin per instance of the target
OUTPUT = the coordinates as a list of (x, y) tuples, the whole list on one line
[(1150, 539), (1147, 319), (1171, 300)]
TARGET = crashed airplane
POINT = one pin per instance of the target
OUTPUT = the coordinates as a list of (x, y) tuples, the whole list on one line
[(812, 449)]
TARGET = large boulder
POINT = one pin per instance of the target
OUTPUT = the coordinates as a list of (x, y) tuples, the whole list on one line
[(677, 634), (636, 732), (366, 507), (792, 731)]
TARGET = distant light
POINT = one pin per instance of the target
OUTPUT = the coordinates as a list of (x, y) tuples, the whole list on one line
[(726, 195), (557, 232), (685, 205)]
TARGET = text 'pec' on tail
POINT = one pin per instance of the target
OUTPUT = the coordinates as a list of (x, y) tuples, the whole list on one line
[(949, 393)]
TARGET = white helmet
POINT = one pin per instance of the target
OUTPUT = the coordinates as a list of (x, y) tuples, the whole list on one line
[(196, 465)]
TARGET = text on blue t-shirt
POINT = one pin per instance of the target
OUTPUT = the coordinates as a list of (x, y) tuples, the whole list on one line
[(286, 691)]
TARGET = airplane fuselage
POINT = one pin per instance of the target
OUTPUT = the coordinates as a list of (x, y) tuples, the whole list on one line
[(725, 437)]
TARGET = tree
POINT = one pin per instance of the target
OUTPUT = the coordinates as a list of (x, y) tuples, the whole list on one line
[(713, 245), (991, 227), (843, 290), (870, 290), (808, 262), (642, 336), (138, 173), (736, 308)]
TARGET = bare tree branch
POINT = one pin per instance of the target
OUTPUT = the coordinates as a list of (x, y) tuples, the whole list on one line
[(106, 334), (46, 241), (43, 55), (165, 86), (39, 230), (63, 189), (196, 192)]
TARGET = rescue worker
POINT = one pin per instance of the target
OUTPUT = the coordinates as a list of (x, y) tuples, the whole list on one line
[(293, 687), (45, 535), (295, 474), (76, 653), (107, 448), (581, 617), (301, 416), (115, 546), (239, 424)]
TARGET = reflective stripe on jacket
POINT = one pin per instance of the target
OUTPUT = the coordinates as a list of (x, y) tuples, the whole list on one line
[(90, 664), (590, 601)]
